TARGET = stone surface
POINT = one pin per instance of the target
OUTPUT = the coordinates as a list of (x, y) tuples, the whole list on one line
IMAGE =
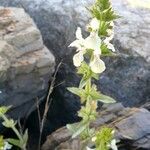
[(23, 57), (127, 78), (132, 128)]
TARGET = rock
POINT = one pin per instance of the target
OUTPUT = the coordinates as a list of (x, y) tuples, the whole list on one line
[(127, 78), (132, 30), (132, 128), (23, 57)]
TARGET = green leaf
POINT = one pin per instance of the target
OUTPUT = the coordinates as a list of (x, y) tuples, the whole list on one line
[(70, 128), (1, 142), (103, 4), (25, 137), (9, 123), (76, 129), (106, 99), (108, 15), (87, 73), (103, 11), (104, 138), (104, 26), (83, 83), (4, 109), (79, 130), (105, 51), (79, 92), (14, 142), (76, 91)]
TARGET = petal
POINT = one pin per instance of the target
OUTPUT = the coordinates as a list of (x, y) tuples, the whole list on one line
[(7, 146), (78, 59), (110, 34), (93, 42), (111, 47), (113, 145), (94, 24), (79, 34), (75, 44), (97, 65)]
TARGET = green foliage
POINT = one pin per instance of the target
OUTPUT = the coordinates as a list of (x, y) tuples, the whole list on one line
[(96, 44), (103, 11), (103, 138), (92, 94), (3, 110), (77, 129), (21, 142), (1, 142), (106, 51), (87, 73)]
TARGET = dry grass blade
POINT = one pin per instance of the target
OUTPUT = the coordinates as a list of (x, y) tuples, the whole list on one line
[(47, 105)]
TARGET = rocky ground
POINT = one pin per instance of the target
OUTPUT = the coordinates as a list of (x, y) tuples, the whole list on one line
[(26, 73), (132, 128)]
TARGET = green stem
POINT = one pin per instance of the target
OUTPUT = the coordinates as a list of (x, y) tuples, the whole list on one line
[(17, 133), (12, 127)]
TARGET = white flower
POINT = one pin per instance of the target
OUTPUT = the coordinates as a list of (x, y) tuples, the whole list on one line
[(93, 42), (113, 145), (109, 45), (78, 58), (7, 146), (108, 39), (79, 42), (0, 92), (97, 65), (94, 24), (94, 139)]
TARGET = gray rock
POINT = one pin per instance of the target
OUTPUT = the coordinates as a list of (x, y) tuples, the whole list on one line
[(23, 57), (133, 30), (127, 78), (132, 129)]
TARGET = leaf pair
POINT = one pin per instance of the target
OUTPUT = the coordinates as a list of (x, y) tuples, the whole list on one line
[(87, 73), (106, 51), (93, 94), (76, 129), (19, 143)]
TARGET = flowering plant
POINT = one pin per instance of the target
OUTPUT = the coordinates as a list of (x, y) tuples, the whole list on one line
[(21, 142), (87, 59)]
